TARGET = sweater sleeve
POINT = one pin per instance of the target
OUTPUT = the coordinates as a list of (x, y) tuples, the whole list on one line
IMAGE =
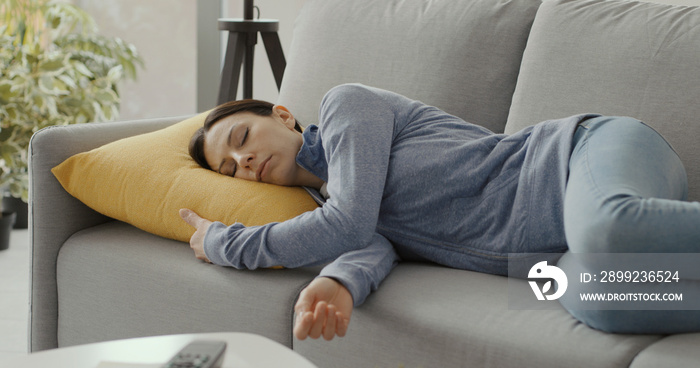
[(357, 127), (361, 271)]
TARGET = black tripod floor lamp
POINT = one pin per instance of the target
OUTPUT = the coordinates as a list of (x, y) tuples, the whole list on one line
[(240, 51)]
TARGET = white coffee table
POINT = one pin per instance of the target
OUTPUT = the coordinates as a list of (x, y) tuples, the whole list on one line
[(243, 350)]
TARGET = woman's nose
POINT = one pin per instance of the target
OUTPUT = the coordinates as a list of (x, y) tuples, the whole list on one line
[(244, 159)]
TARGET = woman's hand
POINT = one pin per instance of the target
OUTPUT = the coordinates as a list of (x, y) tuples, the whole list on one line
[(197, 239), (323, 309)]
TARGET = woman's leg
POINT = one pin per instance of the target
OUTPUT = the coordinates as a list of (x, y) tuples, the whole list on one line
[(625, 192), (625, 195)]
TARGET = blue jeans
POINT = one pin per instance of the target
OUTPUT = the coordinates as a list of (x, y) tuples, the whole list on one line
[(626, 193)]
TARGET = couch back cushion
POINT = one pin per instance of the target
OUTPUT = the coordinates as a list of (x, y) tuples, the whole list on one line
[(461, 55), (616, 57)]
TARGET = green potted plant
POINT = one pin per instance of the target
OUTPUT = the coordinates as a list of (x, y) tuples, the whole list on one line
[(55, 69)]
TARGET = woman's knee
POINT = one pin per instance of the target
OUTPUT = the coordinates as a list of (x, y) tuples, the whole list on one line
[(608, 230)]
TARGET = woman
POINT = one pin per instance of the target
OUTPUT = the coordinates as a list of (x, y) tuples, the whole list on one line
[(406, 181)]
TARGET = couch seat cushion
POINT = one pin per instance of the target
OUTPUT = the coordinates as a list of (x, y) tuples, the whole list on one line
[(677, 350), (424, 311), (116, 281)]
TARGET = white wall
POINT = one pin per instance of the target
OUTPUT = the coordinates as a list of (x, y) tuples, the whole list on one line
[(164, 32)]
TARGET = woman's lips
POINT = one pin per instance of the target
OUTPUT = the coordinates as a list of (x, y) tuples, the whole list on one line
[(261, 170)]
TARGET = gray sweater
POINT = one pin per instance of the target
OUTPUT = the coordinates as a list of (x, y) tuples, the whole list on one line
[(407, 181)]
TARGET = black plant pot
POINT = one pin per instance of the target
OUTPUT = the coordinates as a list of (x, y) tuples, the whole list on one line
[(6, 222), (18, 206)]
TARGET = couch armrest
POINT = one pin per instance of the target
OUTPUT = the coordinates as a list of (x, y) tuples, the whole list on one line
[(54, 215)]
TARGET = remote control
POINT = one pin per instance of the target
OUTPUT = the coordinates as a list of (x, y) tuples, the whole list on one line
[(198, 354)]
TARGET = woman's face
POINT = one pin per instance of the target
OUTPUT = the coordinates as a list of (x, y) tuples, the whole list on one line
[(258, 148)]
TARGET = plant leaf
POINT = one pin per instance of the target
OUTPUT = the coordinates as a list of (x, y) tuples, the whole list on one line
[(82, 69), (52, 65)]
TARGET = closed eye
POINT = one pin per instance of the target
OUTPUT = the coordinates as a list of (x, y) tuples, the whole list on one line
[(245, 136), (235, 167), (223, 170)]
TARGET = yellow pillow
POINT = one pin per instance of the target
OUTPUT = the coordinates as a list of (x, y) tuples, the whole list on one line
[(144, 180)]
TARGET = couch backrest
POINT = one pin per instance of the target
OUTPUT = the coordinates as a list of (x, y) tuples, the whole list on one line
[(616, 57), (460, 55)]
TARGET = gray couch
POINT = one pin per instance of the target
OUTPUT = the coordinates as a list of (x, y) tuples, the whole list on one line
[(502, 64)]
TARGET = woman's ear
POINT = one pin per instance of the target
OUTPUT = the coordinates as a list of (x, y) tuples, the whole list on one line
[(286, 116)]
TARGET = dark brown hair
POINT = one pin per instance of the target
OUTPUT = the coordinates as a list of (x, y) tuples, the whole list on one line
[(258, 107)]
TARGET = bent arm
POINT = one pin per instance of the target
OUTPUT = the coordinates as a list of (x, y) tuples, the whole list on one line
[(357, 127)]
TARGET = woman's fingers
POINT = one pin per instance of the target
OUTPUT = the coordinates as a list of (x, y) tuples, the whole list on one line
[(342, 324), (303, 325), (325, 320), (201, 225), (190, 217), (304, 312), (320, 316), (329, 328)]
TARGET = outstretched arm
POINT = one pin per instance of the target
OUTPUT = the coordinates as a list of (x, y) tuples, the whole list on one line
[(325, 306)]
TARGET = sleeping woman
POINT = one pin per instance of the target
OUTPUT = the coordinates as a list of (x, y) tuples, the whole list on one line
[(406, 181)]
